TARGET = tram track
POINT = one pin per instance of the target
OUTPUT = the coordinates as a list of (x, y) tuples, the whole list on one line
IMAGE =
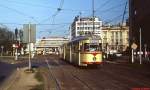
[(57, 86), (121, 77), (108, 77), (70, 77), (82, 82), (89, 78), (102, 80), (74, 71), (130, 75)]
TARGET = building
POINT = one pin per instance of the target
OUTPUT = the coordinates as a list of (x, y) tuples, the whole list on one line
[(115, 38), (85, 25), (49, 45), (139, 18)]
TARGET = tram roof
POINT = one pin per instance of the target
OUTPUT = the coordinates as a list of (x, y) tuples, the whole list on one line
[(78, 38)]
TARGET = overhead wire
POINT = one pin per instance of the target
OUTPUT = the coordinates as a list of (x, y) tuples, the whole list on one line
[(40, 5), (30, 4), (55, 13), (36, 24), (101, 6), (58, 10), (111, 8), (43, 6), (115, 18), (19, 12), (37, 5), (124, 12)]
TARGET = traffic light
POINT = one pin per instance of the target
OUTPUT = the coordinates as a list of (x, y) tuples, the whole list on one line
[(17, 44), (16, 33)]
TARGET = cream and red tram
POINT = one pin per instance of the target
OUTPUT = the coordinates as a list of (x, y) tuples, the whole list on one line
[(83, 51)]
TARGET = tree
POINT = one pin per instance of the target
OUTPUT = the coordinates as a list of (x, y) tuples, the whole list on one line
[(6, 38)]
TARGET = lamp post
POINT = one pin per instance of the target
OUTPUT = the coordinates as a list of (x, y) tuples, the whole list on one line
[(140, 54), (107, 50)]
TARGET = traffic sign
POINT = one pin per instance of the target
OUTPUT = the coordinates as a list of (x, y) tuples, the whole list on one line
[(29, 31), (134, 46)]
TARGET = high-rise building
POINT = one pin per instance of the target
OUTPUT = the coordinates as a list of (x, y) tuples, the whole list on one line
[(86, 25), (139, 18)]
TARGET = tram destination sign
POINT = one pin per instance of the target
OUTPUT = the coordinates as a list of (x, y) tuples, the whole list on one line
[(94, 41)]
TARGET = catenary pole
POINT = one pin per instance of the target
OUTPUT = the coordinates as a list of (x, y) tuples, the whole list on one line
[(29, 46), (93, 16)]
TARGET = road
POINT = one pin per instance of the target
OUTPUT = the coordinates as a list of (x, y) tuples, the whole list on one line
[(111, 76), (60, 75), (6, 69)]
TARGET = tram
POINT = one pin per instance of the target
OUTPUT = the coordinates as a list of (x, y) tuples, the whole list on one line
[(83, 51)]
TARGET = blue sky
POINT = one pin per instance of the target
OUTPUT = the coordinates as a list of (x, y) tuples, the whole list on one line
[(49, 21)]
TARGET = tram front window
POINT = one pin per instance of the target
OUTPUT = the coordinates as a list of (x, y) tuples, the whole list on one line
[(94, 48), (90, 47)]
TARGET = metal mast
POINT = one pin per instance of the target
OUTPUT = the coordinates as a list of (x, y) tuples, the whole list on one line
[(93, 11), (124, 12)]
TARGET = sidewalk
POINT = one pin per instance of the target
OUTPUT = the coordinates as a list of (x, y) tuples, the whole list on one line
[(20, 81)]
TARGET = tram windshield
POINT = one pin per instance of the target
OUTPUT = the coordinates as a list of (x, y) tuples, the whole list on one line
[(92, 47)]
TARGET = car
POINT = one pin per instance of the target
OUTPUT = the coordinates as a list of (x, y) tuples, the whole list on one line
[(118, 54)]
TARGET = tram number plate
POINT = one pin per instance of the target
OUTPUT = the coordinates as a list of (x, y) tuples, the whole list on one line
[(94, 58)]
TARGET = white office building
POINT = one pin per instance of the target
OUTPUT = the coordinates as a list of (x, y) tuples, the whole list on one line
[(86, 25)]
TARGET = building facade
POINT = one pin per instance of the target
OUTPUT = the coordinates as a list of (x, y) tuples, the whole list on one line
[(115, 38), (139, 18), (51, 44), (86, 25)]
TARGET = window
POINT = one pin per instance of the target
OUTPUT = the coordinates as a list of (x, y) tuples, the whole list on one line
[(85, 28), (92, 47), (85, 23), (116, 34), (120, 34), (86, 47)]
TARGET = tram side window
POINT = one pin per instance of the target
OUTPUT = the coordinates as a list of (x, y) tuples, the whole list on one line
[(86, 47), (75, 47), (100, 47), (81, 48)]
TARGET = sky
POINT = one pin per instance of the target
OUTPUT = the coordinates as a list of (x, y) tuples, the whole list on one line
[(53, 17)]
